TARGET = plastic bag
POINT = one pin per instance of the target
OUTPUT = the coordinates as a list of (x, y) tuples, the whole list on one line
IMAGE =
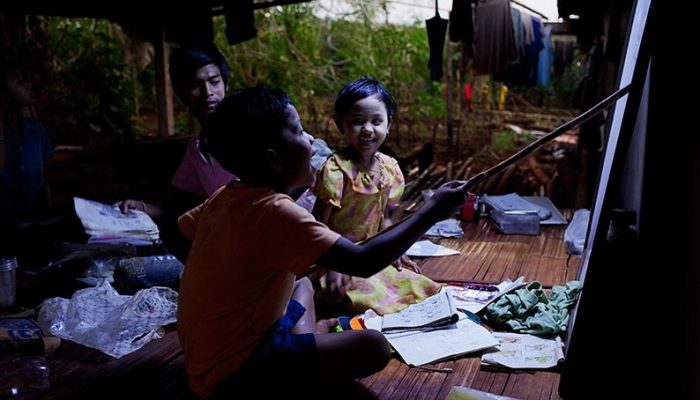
[(575, 234), (103, 319)]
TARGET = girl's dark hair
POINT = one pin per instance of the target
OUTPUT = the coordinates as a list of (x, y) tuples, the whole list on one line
[(245, 124), (361, 89), (185, 61)]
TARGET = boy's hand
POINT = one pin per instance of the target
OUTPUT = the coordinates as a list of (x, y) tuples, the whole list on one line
[(337, 285), (126, 205), (447, 198)]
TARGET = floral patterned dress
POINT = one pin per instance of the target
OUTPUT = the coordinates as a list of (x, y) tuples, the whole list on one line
[(359, 199)]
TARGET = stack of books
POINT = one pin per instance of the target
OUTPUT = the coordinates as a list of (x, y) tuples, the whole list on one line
[(105, 223)]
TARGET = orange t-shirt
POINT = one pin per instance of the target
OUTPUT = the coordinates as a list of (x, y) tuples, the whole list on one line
[(249, 245)]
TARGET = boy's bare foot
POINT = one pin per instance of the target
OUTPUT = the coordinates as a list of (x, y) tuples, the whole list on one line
[(325, 325)]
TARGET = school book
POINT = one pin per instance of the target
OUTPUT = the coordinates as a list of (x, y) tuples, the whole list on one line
[(435, 312), (105, 223), (419, 347)]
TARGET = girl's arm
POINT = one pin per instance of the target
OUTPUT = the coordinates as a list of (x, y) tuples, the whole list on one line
[(376, 253), (391, 215), (337, 283), (322, 211)]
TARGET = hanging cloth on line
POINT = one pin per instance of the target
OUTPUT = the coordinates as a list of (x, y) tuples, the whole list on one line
[(494, 41), (462, 22), (437, 28)]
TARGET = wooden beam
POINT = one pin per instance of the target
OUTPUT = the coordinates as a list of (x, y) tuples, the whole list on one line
[(268, 4), (164, 91)]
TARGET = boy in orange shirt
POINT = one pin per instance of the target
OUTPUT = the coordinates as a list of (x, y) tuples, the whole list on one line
[(242, 312)]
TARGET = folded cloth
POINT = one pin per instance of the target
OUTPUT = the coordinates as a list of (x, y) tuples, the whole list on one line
[(531, 310)]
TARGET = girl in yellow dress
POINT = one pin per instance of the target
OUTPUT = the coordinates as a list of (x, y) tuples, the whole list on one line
[(358, 190)]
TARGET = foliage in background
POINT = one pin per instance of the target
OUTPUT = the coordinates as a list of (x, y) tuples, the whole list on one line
[(312, 58), (97, 84), (101, 84)]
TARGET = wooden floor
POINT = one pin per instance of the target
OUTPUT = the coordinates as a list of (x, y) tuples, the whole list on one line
[(486, 255), (156, 371)]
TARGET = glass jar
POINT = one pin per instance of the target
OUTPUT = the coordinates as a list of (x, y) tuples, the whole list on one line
[(8, 293)]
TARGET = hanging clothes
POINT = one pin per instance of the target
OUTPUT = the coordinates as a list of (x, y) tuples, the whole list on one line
[(518, 34), (468, 97), (462, 22), (437, 28), (532, 52), (544, 68), (563, 55), (502, 97), (240, 22), (494, 40)]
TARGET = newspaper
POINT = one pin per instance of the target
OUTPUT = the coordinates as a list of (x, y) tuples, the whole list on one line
[(105, 223)]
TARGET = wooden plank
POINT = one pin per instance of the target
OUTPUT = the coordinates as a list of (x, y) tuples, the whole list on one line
[(164, 91)]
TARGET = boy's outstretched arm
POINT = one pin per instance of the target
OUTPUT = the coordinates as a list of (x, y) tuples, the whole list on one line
[(376, 253)]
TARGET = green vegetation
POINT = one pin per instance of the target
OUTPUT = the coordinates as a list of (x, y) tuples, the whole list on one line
[(100, 79), (95, 83)]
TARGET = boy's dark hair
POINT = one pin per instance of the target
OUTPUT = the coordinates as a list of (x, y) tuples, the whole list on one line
[(244, 126), (185, 61), (361, 89)]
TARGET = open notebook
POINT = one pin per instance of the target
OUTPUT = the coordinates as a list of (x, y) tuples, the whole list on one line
[(436, 311)]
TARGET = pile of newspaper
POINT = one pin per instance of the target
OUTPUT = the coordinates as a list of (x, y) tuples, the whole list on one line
[(105, 223)]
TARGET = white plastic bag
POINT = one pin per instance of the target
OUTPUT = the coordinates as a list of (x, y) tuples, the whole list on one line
[(575, 234), (103, 319)]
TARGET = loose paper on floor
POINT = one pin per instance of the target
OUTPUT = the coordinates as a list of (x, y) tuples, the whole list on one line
[(474, 300), (426, 248), (518, 351), (418, 348)]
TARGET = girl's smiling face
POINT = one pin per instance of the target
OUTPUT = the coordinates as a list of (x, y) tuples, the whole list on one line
[(365, 125)]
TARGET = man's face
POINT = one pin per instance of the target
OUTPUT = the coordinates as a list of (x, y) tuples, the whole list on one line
[(206, 90)]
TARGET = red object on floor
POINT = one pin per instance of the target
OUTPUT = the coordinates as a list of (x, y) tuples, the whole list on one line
[(468, 209)]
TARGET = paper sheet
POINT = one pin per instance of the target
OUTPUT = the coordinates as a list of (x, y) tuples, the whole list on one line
[(464, 299), (418, 348), (518, 351), (435, 311), (426, 248)]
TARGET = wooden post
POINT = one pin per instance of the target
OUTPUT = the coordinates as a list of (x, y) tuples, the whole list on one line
[(164, 91), (448, 93)]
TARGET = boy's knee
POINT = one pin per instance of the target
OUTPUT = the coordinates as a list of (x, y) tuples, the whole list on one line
[(379, 349), (304, 284)]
